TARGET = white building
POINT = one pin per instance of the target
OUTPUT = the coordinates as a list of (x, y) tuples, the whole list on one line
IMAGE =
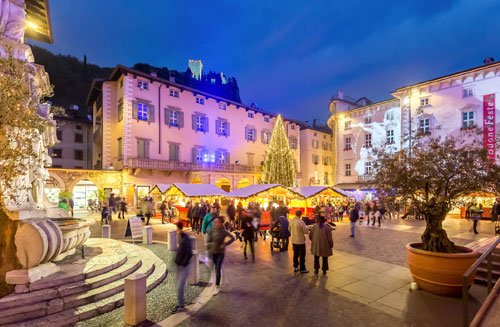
[(455, 104), (316, 155)]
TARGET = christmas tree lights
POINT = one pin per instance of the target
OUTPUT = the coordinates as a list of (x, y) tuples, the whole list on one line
[(278, 165)]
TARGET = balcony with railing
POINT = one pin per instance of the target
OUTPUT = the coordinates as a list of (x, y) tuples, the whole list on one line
[(154, 164)]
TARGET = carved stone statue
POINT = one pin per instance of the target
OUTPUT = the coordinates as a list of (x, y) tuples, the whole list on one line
[(12, 19)]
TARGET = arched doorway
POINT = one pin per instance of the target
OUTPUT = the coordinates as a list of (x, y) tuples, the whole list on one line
[(223, 183), (83, 192), (244, 182)]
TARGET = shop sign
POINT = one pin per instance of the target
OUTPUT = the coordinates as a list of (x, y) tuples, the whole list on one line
[(489, 139)]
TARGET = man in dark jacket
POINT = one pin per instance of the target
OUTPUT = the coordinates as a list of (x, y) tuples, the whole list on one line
[(284, 231), (353, 217), (182, 258), (231, 212)]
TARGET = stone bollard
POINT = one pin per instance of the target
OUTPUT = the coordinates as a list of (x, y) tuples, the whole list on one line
[(194, 269), (194, 242), (147, 235), (135, 299), (106, 231), (172, 240)]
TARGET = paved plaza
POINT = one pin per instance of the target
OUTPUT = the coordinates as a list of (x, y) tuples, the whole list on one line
[(368, 283)]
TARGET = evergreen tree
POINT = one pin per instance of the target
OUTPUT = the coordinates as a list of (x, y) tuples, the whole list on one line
[(278, 165)]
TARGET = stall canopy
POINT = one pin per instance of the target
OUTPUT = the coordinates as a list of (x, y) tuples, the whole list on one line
[(310, 191), (260, 189), (342, 192), (162, 188), (194, 190)]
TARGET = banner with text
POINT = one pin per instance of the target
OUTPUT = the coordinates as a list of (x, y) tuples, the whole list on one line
[(489, 135)]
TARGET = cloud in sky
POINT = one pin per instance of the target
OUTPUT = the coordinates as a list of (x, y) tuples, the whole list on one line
[(288, 56)]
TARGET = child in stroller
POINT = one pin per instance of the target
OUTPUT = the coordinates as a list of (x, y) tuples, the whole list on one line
[(278, 241)]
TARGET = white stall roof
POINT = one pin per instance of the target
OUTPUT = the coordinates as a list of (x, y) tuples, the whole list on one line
[(161, 187), (196, 190)]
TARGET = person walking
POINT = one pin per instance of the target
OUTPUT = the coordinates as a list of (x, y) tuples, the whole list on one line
[(248, 236), (216, 245), (321, 244), (182, 259), (163, 211), (240, 213), (284, 232), (476, 214), (353, 217), (231, 213), (123, 209), (257, 216), (111, 204), (208, 223), (147, 208), (495, 210), (71, 204), (298, 230)]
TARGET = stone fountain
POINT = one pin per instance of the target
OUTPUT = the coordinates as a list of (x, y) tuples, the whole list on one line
[(42, 235)]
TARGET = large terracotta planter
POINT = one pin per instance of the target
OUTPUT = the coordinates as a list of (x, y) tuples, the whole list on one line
[(440, 273)]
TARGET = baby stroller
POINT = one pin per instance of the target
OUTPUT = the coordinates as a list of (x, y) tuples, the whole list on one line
[(277, 242)]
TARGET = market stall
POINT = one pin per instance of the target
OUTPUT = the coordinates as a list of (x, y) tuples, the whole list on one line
[(311, 196), (158, 192), (482, 199)]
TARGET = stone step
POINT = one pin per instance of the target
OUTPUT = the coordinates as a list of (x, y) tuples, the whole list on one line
[(71, 316), (484, 272), (482, 280), (93, 292)]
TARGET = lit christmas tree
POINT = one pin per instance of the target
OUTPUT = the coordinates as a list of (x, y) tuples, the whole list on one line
[(278, 163)]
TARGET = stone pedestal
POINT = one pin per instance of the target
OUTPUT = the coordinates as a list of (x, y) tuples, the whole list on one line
[(106, 231), (135, 299), (172, 240), (30, 275), (194, 269), (147, 235)]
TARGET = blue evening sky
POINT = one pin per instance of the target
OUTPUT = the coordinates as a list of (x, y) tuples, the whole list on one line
[(288, 56)]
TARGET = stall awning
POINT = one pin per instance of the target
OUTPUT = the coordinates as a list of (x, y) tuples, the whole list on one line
[(194, 190), (310, 191), (162, 188), (258, 189)]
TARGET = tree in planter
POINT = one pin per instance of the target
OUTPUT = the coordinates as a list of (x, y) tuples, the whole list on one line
[(278, 165), (433, 178)]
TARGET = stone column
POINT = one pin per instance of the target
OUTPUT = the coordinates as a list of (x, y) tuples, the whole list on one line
[(194, 269), (147, 235), (135, 299), (172, 240)]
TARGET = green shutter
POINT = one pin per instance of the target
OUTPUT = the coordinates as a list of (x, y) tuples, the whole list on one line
[(228, 159), (254, 135), (227, 129), (167, 117), (151, 113), (193, 155), (193, 122), (205, 124), (246, 133), (180, 118), (134, 109), (217, 126)]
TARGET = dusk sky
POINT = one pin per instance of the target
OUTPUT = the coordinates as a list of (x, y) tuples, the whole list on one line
[(288, 56)]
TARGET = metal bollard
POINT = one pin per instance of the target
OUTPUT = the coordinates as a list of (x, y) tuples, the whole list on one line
[(194, 269), (147, 235), (194, 242), (172, 240), (106, 231), (135, 299)]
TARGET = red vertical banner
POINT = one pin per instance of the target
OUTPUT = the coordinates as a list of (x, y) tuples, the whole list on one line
[(489, 135)]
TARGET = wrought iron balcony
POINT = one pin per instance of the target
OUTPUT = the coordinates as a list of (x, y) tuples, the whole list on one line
[(154, 164), (365, 178)]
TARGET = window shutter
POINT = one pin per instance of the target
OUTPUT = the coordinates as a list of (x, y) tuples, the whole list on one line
[(217, 127), (205, 124), (227, 128), (193, 122), (171, 152), (254, 135), (151, 113), (313, 158), (146, 149), (246, 133), (262, 136), (134, 109), (180, 119), (167, 117), (217, 156), (228, 159), (193, 155)]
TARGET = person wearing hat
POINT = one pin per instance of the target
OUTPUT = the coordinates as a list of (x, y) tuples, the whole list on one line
[(298, 229)]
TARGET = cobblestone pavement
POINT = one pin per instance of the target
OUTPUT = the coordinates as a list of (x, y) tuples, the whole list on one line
[(367, 285)]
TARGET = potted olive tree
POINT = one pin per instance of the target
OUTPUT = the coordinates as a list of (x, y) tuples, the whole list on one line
[(432, 179)]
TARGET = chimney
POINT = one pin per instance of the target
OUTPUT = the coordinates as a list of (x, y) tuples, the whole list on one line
[(341, 95), (154, 73), (488, 60)]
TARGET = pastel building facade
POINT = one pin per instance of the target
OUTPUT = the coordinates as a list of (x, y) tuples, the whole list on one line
[(460, 104), (162, 132), (316, 156)]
